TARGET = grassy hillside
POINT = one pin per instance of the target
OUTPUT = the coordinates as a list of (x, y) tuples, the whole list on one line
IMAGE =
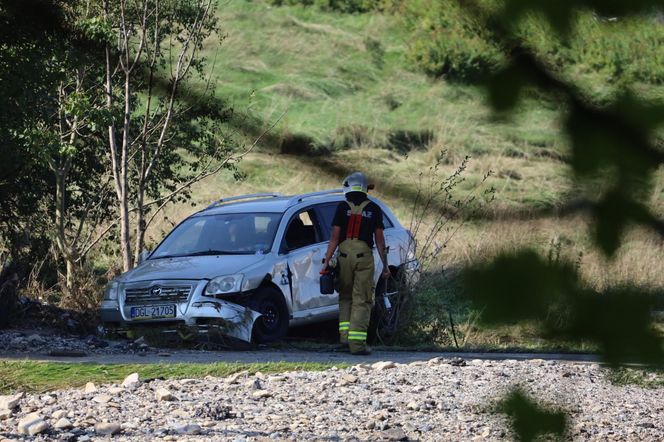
[(350, 104)]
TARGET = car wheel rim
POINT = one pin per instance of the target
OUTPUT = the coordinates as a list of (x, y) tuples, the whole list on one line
[(270, 316)]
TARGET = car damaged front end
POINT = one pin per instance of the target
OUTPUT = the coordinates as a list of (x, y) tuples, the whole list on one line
[(179, 307)]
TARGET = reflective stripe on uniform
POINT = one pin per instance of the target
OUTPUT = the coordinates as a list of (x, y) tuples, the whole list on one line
[(357, 335), (344, 326)]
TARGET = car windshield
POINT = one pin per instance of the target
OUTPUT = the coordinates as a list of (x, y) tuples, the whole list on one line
[(243, 233)]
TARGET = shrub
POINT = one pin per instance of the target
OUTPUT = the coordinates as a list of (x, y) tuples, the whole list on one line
[(346, 6), (445, 41)]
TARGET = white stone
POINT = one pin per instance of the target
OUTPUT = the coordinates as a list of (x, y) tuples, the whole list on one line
[(132, 381), (107, 429), (10, 402), (351, 379), (233, 379), (58, 414), (102, 399), (383, 365), (116, 391), (413, 406), (32, 424), (260, 394), (190, 429), (63, 424), (163, 394), (253, 384), (90, 387), (5, 414)]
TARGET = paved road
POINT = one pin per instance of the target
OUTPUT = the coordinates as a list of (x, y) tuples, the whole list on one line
[(271, 355)]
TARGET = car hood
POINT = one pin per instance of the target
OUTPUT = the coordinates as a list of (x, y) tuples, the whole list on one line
[(190, 267)]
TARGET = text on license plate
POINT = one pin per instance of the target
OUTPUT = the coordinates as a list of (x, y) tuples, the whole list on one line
[(153, 311)]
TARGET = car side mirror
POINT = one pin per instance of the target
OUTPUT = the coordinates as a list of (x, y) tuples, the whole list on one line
[(143, 256)]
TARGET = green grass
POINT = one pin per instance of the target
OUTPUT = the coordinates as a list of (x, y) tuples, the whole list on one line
[(45, 376), (645, 378), (346, 87)]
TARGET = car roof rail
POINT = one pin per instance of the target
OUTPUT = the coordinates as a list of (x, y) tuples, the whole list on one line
[(243, 197), (299, 198)]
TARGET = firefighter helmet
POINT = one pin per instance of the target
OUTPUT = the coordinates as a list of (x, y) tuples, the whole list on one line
[(355, 182)]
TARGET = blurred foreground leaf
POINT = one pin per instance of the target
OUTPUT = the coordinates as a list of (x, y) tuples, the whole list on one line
[(529, 420), (523, 286)]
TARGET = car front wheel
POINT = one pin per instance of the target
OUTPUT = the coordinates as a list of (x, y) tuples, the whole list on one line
[(273, 323)]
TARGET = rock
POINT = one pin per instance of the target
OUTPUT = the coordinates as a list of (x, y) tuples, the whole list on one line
[(253, 384), (63, 424), (102, 399), (164, 395), (383, 365), (190, 429), (413, 406), (395, 434), (116, 391), (10, 402), (58, 414), (140, 341), (5, 414), (382, 415), (351, 379), (232, 379), (90, 387), (34, 339), (260, 394), (107, 428), (131, 382), (32, 424)]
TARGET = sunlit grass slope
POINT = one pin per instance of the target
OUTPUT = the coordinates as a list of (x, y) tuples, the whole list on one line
[(351, 103)]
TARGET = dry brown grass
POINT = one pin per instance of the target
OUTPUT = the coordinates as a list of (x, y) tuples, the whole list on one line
[(639, 260)]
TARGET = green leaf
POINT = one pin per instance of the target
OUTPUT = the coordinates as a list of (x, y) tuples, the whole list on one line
[(529, 420), (517, 287), (620, 322)]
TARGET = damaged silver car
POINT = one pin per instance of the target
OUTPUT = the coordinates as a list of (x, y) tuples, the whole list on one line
[(246, 267)]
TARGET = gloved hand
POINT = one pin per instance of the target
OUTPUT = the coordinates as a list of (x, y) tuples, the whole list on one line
[(325, 269)]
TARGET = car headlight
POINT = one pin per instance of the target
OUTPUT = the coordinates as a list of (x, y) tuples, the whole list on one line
[(112, 291), (224, 285)]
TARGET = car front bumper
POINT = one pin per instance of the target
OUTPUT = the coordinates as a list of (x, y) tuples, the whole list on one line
[(203, 315)]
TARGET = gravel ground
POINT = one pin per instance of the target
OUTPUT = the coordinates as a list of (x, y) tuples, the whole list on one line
[(440, 399)]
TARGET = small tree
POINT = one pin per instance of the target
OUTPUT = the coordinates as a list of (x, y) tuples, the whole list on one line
[(162, 140)]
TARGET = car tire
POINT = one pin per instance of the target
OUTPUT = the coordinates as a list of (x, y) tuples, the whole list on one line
[(273, 323), (384, 322)]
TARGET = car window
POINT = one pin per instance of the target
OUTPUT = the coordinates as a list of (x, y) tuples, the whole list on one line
[(387, 223), (302, 231), (243, 233), (326, 212)]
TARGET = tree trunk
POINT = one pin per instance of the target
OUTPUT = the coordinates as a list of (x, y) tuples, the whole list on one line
[(65, 249), (140, 222)]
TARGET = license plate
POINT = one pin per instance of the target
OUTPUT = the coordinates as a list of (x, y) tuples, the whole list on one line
[(152, 312)]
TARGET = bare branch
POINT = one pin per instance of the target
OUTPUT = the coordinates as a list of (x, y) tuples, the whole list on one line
[(163, 201)]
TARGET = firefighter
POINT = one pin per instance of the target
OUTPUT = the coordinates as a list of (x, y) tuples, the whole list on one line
[(357, 225)]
